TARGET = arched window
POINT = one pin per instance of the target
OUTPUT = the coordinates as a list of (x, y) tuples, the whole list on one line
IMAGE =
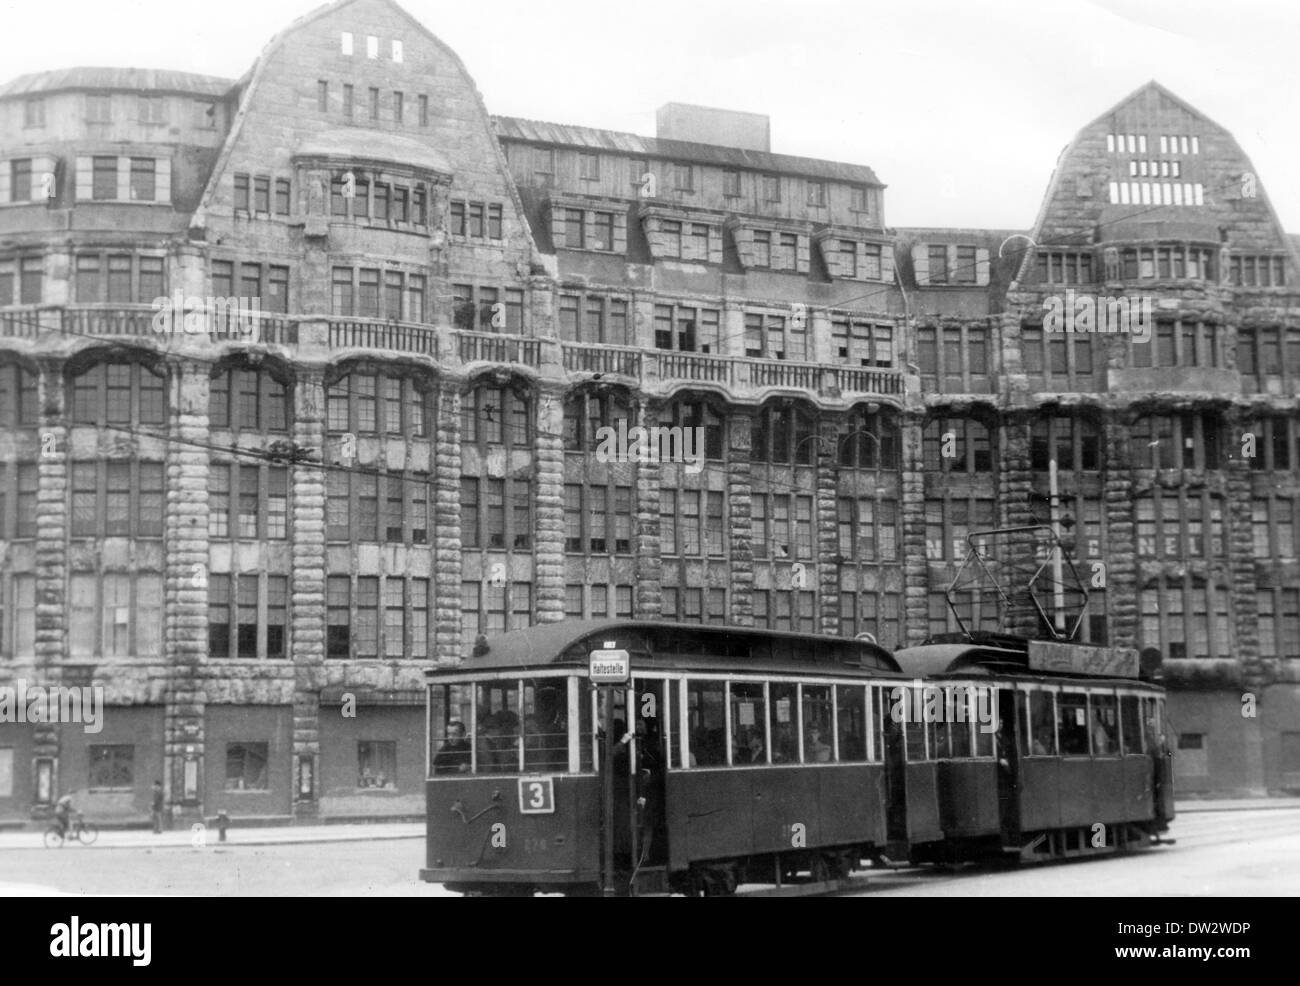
[(379, 402), (18, 397), (784, 435), (248, 398), (1073, 442), (957, 445), (492, 415), (698, 414), (118, 392), (586, 413), (868, 441)]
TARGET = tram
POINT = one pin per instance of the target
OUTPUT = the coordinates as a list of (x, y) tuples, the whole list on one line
[(738, 755)]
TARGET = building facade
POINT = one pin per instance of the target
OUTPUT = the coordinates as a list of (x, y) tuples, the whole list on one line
[(360, 432)]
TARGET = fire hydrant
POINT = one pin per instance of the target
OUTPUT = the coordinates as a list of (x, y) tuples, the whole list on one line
[(223, 820)]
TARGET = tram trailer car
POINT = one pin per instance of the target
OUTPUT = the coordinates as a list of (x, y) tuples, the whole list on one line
[(1074, 760), (753, 755)]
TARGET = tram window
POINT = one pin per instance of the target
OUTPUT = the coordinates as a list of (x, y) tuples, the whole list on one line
[(916, 728), (1042, 724), (958, 711), (748, 724), (1130, 722), (706, 709), (585, 730), (938, 733), (851, 713), (497, 743), (785, 724), (546, 724), (985, 719), (1104, 726), (817, 746), (449, 722), (1074, 724), (880, 707), (1151, 725), (674, 706)]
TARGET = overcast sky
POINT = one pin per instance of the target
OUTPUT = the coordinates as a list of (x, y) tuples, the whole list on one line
[(960, 108)]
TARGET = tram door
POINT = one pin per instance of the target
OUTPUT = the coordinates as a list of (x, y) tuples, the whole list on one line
[(1010, 737), (895, 772), (647, 811)]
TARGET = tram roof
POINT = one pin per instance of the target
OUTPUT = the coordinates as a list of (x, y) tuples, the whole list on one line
[(1037, 658), (675, 646)]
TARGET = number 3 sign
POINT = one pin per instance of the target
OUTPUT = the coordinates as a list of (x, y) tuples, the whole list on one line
[(536, 795)]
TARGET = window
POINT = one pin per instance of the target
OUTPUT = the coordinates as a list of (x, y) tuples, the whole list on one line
[(868, 529), (372, 46), (731, 184), (114, 615), (256, 623), (586, 413), (1064, 268), (602, 231), (121, 499), (322, 96), (247, 501), (357, 292), (99, 108), (938, 256), (347, 101), (1185, 441), (588, 166), (104, 178), (20, 180), (152, 109), (683, 177), (18, 406), (34, 112), (377, 764), (262, 195), (112, 768), (399, 101), (597, 519), (377, 507), (858, 198), (771, 185), (816, 193), (374, 102), (353, 404), (783, 435), (775, 337), (246, 767), (868, 441), (573, 229), (248, 398), (282, 196), (118, 393), (1073, 442), (397, 52), (423, 102), (957, 445), (687, 329)]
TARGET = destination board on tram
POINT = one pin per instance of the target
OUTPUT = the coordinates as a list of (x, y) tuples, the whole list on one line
[(1064, 658)]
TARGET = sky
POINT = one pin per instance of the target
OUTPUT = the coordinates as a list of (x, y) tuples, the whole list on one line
[(962, 109)]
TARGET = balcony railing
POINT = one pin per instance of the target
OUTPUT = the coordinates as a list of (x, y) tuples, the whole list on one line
[(490, 347), (697, 366), (360, 333), (579, 358), (114, 321), (22, 323)]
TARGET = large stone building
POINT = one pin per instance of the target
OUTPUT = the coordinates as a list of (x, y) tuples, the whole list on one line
[(257, 535)]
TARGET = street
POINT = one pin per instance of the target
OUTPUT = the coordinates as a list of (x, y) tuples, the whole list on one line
[(1246, 852)]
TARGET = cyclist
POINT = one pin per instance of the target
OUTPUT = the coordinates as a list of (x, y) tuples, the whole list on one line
[(63, 813)]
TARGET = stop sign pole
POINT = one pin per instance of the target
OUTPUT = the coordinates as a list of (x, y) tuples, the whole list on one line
[(608, 669)]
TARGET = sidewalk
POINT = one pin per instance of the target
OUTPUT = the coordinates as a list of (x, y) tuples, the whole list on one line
[(276, 835), (235, 836)]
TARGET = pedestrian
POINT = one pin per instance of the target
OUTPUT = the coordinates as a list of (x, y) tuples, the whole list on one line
[(157, 811)]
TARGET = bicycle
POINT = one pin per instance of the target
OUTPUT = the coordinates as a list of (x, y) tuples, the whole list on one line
[(78, 828)]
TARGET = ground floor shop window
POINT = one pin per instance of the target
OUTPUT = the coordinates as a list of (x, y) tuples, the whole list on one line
[(246, 767), (112, 768), (377, 764)]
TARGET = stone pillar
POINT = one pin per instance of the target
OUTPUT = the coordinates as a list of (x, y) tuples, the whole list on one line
[(548, 502), (186, 592), (828, 549), (307, 638), (740, 498), (916, 567), (1015, 509), (1121, 553), (446, 527), (648, 601), (51, 622)]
